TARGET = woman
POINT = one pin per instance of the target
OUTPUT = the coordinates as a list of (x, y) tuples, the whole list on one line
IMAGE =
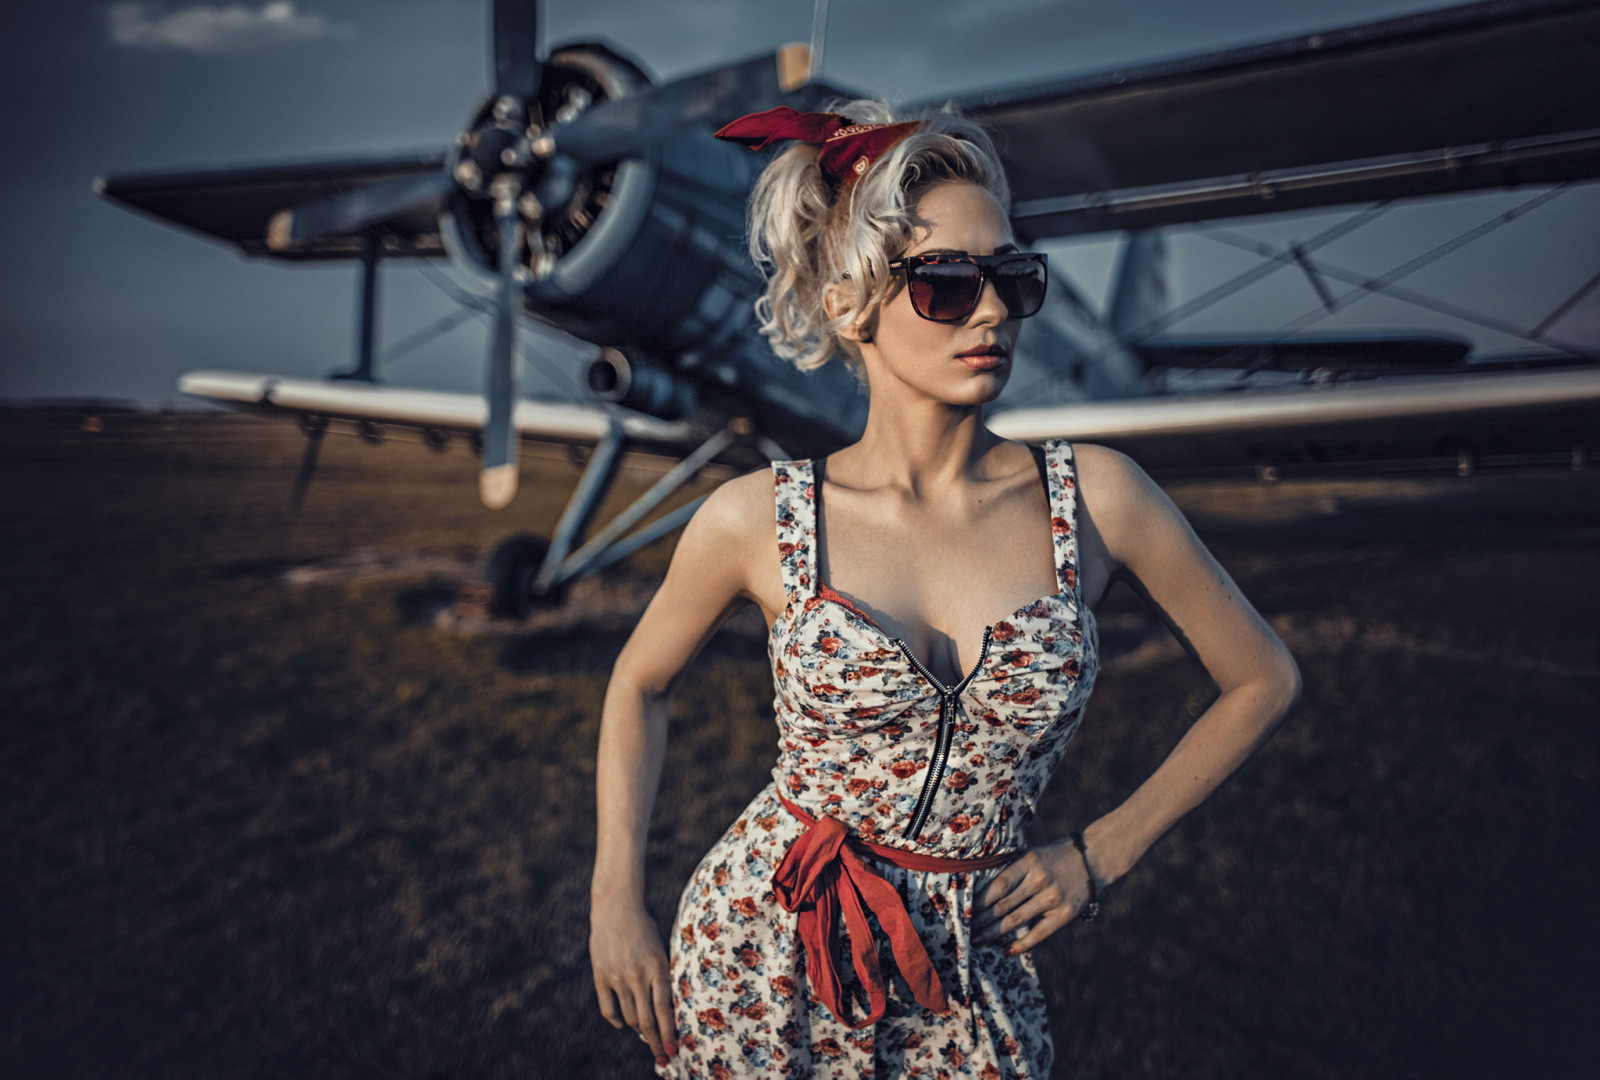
[(872, 911)]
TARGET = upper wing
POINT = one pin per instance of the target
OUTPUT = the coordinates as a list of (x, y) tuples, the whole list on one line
[(1510, 414), (236, 205), (1481, 95)]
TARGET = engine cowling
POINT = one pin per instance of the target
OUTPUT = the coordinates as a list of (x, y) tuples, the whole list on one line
[(645, 254), (580, 235)]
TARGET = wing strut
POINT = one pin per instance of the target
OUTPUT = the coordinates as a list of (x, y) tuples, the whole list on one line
[(315, 428), (608, 545), (366, 337), (585, 500), (1304, 262), (525, 572)]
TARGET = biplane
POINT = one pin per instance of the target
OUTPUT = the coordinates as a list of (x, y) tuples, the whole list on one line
[(584, 197)]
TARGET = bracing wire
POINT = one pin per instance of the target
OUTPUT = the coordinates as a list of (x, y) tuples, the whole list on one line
[(1385, 283), (482, 311), (1565, 306), (438, 328), (1227, 288), (1256, 273), (1366, 285)]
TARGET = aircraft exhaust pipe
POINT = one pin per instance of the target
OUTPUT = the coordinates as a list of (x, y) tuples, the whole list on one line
[(613, 377)]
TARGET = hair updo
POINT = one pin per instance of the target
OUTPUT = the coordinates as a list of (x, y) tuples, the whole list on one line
[(804, 236)]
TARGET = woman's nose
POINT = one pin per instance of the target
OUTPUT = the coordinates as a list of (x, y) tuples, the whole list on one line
[(990, 307)]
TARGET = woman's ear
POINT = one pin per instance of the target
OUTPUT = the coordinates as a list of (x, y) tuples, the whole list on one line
[(834, 304)]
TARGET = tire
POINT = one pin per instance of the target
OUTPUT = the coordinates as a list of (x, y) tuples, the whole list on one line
[(511, 570)]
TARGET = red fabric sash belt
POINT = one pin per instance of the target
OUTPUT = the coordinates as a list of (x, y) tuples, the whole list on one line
[(823, 875)]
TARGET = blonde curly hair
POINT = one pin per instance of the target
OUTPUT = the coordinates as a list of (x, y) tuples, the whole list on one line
[(805, 237)]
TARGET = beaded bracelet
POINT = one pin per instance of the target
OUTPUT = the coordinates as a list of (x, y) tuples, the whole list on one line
[(1092, 908)]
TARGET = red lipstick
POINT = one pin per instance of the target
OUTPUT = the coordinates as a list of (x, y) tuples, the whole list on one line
[(983, 357)]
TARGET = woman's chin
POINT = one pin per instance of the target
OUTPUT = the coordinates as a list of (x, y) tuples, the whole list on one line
[(980, 388), (957, 385)]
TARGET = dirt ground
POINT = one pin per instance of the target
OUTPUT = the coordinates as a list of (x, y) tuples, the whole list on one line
[(261, 817)]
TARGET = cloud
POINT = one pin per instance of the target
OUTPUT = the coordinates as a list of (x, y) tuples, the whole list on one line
[(210, 29)]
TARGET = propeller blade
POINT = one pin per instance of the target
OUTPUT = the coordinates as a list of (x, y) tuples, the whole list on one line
[(632, 126), (517, 70), (497, 483), (353, 211)]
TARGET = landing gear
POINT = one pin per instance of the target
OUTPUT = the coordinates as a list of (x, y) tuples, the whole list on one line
[(511, 572), (526, 572)]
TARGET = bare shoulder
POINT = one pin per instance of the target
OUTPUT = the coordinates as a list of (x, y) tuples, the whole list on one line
[(729, 549), (1125, 504), (742, 509), (723, 559), (729, 543), (1111, 480)]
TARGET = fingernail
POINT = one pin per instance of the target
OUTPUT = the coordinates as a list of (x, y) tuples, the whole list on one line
[(661, 1061)]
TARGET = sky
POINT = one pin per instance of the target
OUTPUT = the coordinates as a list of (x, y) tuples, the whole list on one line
[(99, 302)]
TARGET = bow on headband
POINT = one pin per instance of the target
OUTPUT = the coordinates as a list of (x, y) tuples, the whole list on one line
[(847, 148)]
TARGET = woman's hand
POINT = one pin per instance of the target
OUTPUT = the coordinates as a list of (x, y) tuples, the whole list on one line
[(632, 977), (1032, 898)]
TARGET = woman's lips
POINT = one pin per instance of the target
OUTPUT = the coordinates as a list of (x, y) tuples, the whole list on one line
[(983, 360)]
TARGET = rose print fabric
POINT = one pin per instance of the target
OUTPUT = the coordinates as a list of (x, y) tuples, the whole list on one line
[(858, 726)]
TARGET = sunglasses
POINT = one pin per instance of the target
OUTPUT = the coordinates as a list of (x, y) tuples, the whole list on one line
[(946, 288)]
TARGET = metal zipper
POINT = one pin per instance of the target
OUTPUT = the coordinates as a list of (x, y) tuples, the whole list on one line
[(949, 697)]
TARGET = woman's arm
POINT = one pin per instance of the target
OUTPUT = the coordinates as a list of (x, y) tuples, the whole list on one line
[(1149, 539), (717, 567)]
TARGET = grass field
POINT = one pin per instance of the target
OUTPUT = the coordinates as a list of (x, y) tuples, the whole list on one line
[(254, 828)]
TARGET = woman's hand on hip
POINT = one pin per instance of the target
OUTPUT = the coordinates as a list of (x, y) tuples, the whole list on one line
[(1032, 898), (631, 976)]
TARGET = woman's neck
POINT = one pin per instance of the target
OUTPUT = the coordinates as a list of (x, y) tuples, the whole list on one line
[(918, 443)]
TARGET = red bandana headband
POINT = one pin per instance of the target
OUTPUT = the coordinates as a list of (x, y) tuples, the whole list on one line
[(847, 147)]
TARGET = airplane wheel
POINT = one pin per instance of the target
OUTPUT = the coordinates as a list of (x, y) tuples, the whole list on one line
[(511, 570)]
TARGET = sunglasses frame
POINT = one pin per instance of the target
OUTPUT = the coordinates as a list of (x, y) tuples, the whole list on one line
[(986, 265)]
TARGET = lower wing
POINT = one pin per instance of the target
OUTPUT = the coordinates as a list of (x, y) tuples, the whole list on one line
[(1543, 417)]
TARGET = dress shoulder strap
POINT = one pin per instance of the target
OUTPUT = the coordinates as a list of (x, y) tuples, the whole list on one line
[(1061, 482), (796, 506)]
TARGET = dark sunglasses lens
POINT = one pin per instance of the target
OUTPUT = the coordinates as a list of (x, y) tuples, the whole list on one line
[(1020, 285), (944, 291)]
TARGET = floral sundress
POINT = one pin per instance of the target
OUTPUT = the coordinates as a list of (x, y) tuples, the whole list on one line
[(868, 736)]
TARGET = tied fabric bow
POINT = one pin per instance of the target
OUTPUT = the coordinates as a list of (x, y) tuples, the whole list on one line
[(847, 147), (821, 877)]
